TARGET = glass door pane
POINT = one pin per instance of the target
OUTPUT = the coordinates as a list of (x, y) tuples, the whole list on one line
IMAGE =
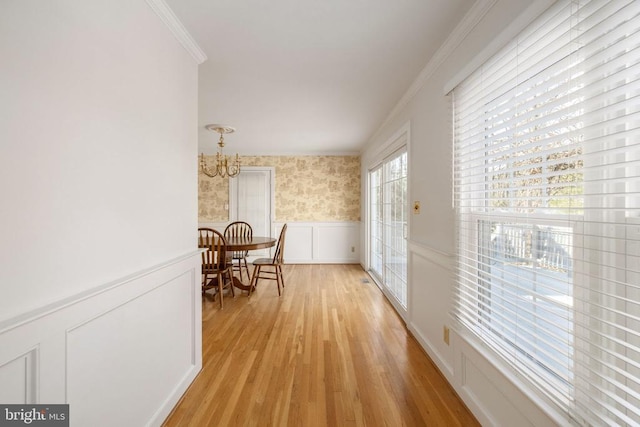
[(388, 225)]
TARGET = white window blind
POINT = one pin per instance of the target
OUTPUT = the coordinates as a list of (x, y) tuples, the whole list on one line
[(547, 194)]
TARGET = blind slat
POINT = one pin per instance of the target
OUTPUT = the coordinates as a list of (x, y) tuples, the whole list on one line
[(547, 196)]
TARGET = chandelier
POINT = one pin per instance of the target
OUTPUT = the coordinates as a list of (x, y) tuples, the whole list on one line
[(224, 166)]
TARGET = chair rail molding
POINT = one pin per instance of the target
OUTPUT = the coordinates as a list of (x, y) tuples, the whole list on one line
[(443, 259)]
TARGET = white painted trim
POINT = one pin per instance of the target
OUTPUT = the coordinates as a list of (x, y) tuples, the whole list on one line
[(440, 361), (399, 139), (406, 128), (445, 261), (30, 316), (159, 417), (25, 382), (55, 345), (179, 31), (326, 242), (365, 215), (440, 258), (507, 379), (508, 34)]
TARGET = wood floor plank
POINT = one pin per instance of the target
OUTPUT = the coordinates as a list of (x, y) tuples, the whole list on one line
[(331, 351)]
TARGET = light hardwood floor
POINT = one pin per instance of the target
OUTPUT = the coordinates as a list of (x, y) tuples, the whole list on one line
[(330, 352)]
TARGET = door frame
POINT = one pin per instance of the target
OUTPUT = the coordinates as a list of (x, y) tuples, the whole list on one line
[(399, 140)]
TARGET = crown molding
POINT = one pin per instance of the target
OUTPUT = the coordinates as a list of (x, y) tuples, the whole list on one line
[(400, 138), (179, 31), (459, 33)]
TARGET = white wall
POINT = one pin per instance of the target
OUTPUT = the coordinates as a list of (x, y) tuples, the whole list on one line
[(98, 123), (98, 158), (495, 398)]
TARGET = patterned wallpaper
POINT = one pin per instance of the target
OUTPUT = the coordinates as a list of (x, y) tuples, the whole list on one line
[(308, 188)]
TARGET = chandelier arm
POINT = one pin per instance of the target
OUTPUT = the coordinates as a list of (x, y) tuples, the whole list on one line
[(205, 169), (234, 169)]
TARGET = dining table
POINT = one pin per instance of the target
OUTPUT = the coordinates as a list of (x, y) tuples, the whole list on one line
[(242, 243)]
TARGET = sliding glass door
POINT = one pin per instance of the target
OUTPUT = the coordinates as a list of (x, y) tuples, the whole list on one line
[(388, 225)]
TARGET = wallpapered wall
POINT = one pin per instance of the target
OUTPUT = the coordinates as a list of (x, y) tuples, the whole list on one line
[(308, 188)]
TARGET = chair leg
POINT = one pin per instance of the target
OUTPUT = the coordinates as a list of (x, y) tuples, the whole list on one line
[(254, 278), (220, 287), (255, 283), (281, 275)]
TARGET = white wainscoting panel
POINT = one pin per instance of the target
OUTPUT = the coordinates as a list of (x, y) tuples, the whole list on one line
[(120, 354), (299, 241), (429, 302), (314, 242), (98, 353), (322, 242), (480, 378), (338, 242), (17, 378), (494, 398)]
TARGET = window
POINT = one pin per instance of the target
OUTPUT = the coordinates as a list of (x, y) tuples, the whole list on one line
[(547, 194), (388, 225)]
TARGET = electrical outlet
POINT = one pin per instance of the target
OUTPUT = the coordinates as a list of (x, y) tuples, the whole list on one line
[(446, 335), (353, 249)]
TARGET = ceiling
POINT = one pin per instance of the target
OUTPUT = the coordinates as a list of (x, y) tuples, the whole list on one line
[(309, 76)]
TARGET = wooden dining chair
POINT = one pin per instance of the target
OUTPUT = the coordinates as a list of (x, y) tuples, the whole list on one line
[(217, 271), (239, 229), (270, 268)]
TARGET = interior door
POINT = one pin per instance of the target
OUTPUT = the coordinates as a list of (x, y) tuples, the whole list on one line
[(251, 199)]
